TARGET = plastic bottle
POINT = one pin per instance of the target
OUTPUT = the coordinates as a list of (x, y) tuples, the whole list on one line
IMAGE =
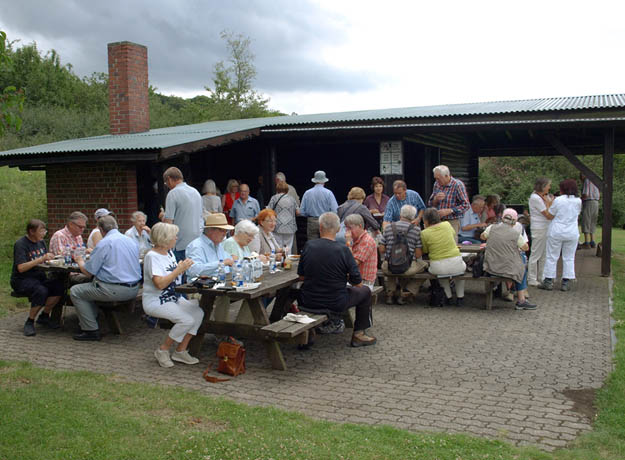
[(247, 271), (238, 275), (67, 254), (272, 262), (258, 269), (221, 272)]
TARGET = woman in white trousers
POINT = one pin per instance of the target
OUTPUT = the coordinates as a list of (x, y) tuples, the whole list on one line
[(539, 202), (562, 236)]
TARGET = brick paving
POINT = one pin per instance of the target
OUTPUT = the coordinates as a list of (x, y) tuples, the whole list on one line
[(497, 374)]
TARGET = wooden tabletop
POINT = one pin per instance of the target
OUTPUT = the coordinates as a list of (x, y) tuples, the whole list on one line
[(59, 268), (470, 248)]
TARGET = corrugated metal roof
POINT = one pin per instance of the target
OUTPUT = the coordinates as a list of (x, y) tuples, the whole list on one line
[(177, 135)]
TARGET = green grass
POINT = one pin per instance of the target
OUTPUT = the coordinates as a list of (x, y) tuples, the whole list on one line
[(80, 415)]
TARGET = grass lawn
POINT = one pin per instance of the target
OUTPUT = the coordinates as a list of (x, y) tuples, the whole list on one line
[(80, 415)]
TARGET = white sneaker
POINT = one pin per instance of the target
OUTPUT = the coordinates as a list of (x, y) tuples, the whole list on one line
[(184, 357), (533, 283), (162, 356)]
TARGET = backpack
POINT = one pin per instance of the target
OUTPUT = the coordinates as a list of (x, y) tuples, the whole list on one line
[(400, 257)]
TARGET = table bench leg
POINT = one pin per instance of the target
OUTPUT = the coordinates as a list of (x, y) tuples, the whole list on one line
[(489, 294), (195, 345), (275, 355)]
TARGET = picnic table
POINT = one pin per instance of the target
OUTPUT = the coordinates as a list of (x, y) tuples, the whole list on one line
[(63, 272), (270, 330)]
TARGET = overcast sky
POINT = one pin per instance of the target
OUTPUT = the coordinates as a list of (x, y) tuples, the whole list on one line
[(337, 55)]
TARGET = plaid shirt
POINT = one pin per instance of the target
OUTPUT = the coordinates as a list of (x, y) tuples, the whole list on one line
[(365, 252), (62, 238), (455, 199), (590, 191)]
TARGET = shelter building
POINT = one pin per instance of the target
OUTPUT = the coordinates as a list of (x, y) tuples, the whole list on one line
[(118, 171)]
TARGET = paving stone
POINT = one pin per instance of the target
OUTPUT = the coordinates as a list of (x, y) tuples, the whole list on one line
[(498, 374)]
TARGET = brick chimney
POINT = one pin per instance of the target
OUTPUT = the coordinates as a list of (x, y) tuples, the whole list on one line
[(129, 107)]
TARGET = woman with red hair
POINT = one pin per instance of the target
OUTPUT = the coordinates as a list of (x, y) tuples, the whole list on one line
[(562, 236)]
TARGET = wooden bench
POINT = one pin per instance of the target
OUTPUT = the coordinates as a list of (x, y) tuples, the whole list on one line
[(489, 282), (111, 309), (288, 331)]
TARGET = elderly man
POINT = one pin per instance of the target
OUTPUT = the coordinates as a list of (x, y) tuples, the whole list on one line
[(183, 207), (402, 196), (363, 248), (395, 285), (472, 221), (207, 251), (449, 197), (114, 266), (590, 211), (325, 267), (280, 177), (315, 202), (70, 235), (245, 207)]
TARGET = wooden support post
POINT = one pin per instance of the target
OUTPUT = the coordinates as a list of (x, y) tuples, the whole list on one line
[(608, 179), (562, 150)]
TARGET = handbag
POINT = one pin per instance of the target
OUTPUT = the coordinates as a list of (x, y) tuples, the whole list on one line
[(231, 356)]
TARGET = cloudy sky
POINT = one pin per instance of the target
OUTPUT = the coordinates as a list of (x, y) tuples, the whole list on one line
[(335, 55)]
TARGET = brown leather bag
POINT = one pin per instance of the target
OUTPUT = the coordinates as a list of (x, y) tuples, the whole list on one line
[(231, 356)]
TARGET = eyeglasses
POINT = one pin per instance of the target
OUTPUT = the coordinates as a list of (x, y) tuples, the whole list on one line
[(269, 221), (82, 227)]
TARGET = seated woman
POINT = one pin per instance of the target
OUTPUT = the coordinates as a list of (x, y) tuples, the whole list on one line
[(95, 236), (28, 252), (505, 254), (238, 244), (140, 232), (490, 213), (264, 242), (439, 241), (161, 275), (377, 201)]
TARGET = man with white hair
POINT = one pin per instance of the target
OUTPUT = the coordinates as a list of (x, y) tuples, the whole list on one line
[(280, 177), (315, 202), (395, 285), (449, 197), (471, 221), (325, 267)]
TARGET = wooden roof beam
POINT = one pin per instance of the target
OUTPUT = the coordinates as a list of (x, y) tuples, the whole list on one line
[(562, 150)]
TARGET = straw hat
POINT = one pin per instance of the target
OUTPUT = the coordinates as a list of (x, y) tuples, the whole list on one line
[(217, 221)]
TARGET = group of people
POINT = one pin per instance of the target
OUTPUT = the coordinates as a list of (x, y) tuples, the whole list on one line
[(338, 264)]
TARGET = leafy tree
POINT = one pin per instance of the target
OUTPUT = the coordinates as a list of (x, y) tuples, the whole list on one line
[(11, 99)]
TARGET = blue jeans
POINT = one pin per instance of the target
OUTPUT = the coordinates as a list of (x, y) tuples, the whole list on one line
[(523, 284)]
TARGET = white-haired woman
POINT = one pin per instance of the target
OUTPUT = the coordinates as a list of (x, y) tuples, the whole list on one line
[(211, 203), (140, 232), (161, 275), (238, 244)]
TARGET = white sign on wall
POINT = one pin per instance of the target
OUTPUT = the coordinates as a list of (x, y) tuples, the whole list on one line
[(391, 157)]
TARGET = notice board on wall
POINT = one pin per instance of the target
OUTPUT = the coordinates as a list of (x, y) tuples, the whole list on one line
[(391, 158)]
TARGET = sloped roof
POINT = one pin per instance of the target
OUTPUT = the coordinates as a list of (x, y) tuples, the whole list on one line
[(157, 139)]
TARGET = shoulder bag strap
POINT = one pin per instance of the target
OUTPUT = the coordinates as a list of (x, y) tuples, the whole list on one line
[(275, 205)]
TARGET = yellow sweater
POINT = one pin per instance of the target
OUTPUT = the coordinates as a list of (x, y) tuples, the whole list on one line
[(439, 241)]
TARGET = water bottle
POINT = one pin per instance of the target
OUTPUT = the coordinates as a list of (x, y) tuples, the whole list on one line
[(238, 275), (247, 271), (67, 254), (272, 262), (258, 269), (221, 272)]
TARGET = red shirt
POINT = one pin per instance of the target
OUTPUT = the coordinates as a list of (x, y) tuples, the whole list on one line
[(365, 252), (228, 203)]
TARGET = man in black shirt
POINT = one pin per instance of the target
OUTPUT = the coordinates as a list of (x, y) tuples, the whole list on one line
[(325, 268), (28, 252)]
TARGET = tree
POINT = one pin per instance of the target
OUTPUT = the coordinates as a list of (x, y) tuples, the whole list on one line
[(233, 95), (11, 99)]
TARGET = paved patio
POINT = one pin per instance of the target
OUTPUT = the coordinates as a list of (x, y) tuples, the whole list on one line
[(498, 374)]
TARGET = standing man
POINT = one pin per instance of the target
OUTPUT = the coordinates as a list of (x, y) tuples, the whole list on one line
[(114, 266), (402, 196), (449, 197), (471, 221), (590, 211), (183, 207), (315, 202), (245, 207), (70, 235), (280, 177)]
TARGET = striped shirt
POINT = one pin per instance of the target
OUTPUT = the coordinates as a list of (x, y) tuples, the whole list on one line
[(394, 205), (590, 191), (413, 237), (455, 199)]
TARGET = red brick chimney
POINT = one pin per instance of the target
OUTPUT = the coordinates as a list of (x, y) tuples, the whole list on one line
[(129, 107)]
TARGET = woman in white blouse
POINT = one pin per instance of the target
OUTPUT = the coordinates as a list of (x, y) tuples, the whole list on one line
[(563, 235), (539, 203), (140, 232), (161, 275)]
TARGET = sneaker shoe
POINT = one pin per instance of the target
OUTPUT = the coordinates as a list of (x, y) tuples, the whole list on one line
[(593, 244), (362, 340), (546, 285), (447, 301), (459, 301), (163, 358), (29, 329), (183, 357), (509, 297), (525, 306), (401, 300), (533, 283), (332, 327), (47, 321), (565, 285)]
